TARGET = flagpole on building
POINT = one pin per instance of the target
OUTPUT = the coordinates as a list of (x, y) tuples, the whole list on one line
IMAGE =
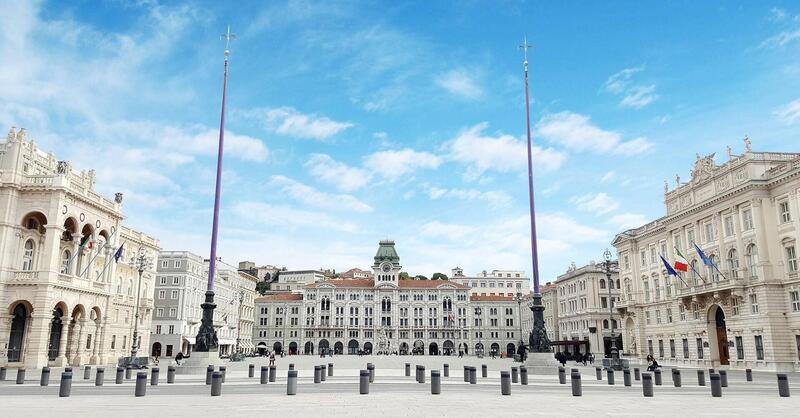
[(206, 340), (538, 342)]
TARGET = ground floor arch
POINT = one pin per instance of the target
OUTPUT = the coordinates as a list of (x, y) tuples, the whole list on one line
[(338, 348), (261, 348), (293, 348), (511, 349), (156, 350), (495, 349), (308, 348), (56, 333), (324, 346), (419, 348), (718, 335), (479, 349), (463, 348), (448, 348), (16, 337), (433, 349), (352, 347), (403, 349), (367, 347), (277, 347)]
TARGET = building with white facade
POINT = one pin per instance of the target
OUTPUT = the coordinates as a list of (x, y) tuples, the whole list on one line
[(494, 283), (387, 314), (744, 213), (65, 298), (181, 283), (296, 280), (549, 293)]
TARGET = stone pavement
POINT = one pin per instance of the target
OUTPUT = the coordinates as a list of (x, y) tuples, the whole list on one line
[(393, 394)]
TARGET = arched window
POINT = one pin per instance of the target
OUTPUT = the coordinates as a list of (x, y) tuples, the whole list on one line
[(119, 286), (752, 260), (695, 276), (66, 257), (602, 283), (605, 323), (618, 284), (130, 287), (733, 263), (27, 256), (712, 272)]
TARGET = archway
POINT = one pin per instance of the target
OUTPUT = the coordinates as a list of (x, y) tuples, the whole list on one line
[(479, 349), (307, 349), (419, 348), (403, 349), (16, 338), (352, 347), (338, 348), (156, 351), (718, 335), (261, 348), (56, 328), (511, 349), (448, 348), (293, 348), (464, 348), (433, 349), (277, 347), (324, 346), (367, 348), (630, 331), (495, 349)]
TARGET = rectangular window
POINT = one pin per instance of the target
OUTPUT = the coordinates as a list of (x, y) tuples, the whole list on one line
[(162, 294), (172, 329), (160, 312), (176, 280), (646, 291), (690, 235), (173, 312), (797, 343), (660, 348), (158, 329), (747, 219), (650, 347), (739, 348), (791, 259), (729, 226), (753, 303), (174, 294), (669, 315), (783, 208), (685, 348), (735, 306), (113, 341), (88, 341), (794, 295), (699, 348), (672, 348), (759, 348), (163, 279)]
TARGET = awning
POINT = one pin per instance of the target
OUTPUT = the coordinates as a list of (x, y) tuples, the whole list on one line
[(569, 342), (190, 340), (226, 342), (262, 344)]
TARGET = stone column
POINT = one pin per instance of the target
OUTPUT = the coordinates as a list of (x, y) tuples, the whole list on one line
[(78, 330), (761, 239), (5, 329), (49, 257), (37, 339), (95, 342), (102, 349), (66, 327)]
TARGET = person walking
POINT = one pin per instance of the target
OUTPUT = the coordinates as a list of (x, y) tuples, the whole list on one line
[(272, 358)]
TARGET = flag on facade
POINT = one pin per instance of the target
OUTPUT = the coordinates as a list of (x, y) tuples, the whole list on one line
[(671, 271), (707, 261), (118, 254), (680, 262), (84, 241)]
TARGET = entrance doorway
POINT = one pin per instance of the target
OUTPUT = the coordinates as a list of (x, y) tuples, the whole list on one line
[(17, 336), (156, 351), (718, 335)]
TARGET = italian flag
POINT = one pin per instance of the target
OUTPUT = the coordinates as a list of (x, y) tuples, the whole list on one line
[(680, 262)]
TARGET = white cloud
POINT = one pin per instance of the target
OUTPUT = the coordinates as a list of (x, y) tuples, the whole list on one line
[(288, 121), (495, 198), (628, 220), (576, 132), (608, 176), (460, 83), (289, 217), (392, 165), (316, 198), (502, 153), (438, 229), (342, 176), (633, 95), (598, 204), (788, 113), (243, 146), (777, 14)]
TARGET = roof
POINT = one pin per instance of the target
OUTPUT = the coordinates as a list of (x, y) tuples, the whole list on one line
[(491, 298), (386, 252), (280, 297), (404, 284)]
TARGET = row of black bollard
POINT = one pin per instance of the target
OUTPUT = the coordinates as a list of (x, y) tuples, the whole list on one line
[(575, 380), (371, 370), (436, 382), (484, 371), (20, 376), (45, 379), (626, 377), (505, 383), (3, 371), (562, 378), (446, 371), (363, 381), (523, 375), (291, 382)]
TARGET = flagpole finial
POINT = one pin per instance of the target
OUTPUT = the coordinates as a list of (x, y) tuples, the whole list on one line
[(228, 37), (524, 47)]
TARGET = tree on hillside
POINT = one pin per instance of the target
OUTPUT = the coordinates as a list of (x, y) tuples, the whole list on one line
[(420, 277), (403, 275), (262, 288), (439, 276)]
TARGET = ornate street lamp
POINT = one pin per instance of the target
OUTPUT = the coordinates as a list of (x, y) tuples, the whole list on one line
[(140, 262), (614, 350)]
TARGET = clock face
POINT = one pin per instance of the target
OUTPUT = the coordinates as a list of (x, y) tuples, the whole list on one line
[(386, 268)]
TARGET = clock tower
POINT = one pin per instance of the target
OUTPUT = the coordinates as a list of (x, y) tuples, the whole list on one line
[(387, 264)]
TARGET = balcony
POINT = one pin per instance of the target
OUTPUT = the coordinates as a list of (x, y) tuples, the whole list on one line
[(24, 276), (729, 283)]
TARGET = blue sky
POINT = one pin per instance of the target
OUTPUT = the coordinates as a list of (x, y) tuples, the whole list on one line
[(350, 122)]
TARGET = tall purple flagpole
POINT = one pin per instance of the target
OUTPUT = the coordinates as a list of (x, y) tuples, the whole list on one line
[(207, 336), (538, 340)]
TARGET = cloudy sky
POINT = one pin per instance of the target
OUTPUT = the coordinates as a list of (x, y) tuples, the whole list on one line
[(351, 122)]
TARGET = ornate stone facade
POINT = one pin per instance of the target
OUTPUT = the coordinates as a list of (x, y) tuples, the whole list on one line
[(745, 215), (64, 298)]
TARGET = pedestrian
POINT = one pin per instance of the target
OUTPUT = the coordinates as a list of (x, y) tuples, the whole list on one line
[(178, 358), (272, 358)]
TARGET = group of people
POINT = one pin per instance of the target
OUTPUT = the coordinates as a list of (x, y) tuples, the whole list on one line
[(582, 358)]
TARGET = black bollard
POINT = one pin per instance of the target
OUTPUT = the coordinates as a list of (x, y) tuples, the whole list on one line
[(330, 369), (66, 385), (446, 370), (120, 375), (68, 369), (657, 374), (436, 382), (466, 374), (87, 372), (363, 382), (505, 383), (251, 370), (141, 384), (209, 374), (421, 374), (264, 375), (783, 385), (223, 370), (676, 377), (323, 372), (20, 376), (562, 376), (647, 385), (273, 371), (723, 378), (701, 377), (484, 370), (408, 369), (514, 375), (610, 376), (317, 371), (371, 370), (575, 379), (154, 376), (128, 372), (598, 373), (45, 379), (473, 375), (636, 374), (523, 375), (291, 382), (418, 375), (716, 385), (291, 366), (216, 384), (2, 374), (748, 375), (99, 376), (170, 374), (626, 377)]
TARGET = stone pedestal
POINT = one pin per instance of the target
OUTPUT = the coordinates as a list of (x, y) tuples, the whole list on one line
[(198, 362), (542, 364)]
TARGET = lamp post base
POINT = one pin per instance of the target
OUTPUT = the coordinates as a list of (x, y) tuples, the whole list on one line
[(538, 342), (206, 340)]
